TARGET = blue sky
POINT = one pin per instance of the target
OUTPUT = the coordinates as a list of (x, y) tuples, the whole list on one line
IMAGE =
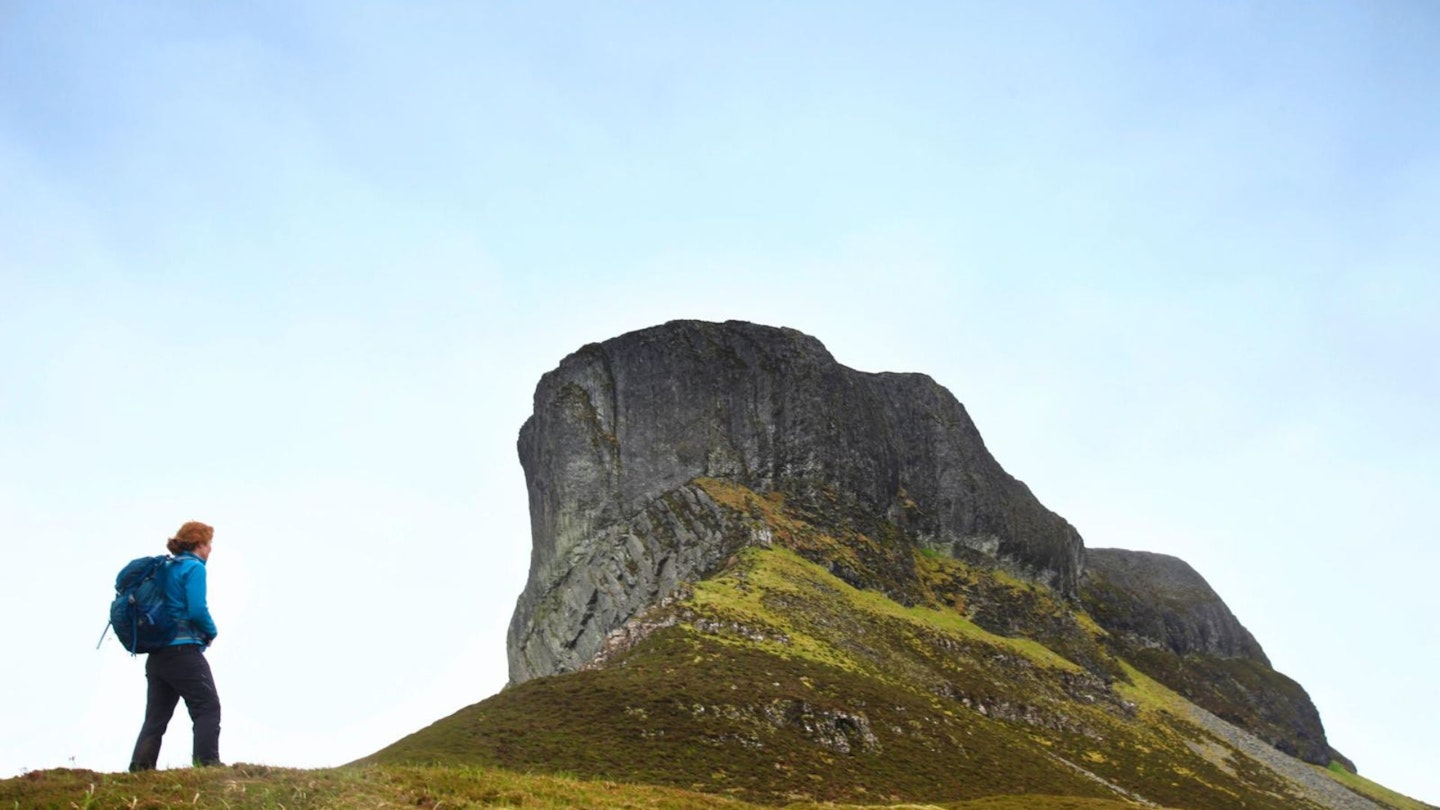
[(294, 269)]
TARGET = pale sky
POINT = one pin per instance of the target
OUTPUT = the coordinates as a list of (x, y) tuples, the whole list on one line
[(294, 269)]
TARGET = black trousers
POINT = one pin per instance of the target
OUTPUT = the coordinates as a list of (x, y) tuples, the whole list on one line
[(174, 673)]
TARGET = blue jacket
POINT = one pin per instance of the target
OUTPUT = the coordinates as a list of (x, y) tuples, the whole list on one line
[(185, 596)]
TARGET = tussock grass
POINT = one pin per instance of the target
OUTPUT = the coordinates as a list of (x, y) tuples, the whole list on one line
[(256, 787), (251, 787)]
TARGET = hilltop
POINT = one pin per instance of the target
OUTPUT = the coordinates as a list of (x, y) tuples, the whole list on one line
[(776, 681), (761, 574)]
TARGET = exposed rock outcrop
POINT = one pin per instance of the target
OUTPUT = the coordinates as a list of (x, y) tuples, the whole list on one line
[(621, 428), (1160, 601), (1169, 622), (641, 451)]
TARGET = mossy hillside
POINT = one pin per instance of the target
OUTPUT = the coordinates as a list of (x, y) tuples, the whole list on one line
[(834, 660), (820, 529), (822, 526), (1161, 708), (1244, 692), (690, 710), (252, 787), (1371, 790), (1162, 630), (1164, 712), (763, 588), (260, 787), (257, 787), (798, 608), (779, 683), (1012, 607), (874, 554)]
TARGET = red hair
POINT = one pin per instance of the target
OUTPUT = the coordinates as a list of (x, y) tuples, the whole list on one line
[(191, 536)]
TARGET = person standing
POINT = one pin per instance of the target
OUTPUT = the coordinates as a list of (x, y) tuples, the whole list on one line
[(180, 669)]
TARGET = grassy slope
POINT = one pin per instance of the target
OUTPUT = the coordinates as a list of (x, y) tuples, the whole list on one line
[(253, 787), (1372, 791), (777, 682), (1242, 691), (249, 787)]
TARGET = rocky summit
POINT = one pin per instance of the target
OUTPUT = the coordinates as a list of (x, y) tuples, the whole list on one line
[(760, 574), (622, 429)]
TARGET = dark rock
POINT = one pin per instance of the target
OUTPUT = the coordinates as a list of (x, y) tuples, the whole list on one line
[(590, 584), (1161, 601), (1168, 622), (621, 428), (637, 446)]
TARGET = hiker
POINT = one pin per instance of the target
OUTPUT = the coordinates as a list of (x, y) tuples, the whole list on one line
[(180, 669)]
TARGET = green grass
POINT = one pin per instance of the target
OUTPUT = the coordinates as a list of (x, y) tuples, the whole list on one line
[(1244, 691), (252, 787), (1370, 790), (781, 683), (248, 787), (689, 711), (756, 592), (735, 699)]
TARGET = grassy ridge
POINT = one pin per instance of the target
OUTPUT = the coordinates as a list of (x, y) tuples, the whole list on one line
[(777, 682), (690, 711)]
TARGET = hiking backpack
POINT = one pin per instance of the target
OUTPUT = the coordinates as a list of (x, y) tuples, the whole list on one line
[(139, 615)]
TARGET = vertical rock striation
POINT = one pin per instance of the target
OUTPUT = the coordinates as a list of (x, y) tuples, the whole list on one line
[(621, 429)]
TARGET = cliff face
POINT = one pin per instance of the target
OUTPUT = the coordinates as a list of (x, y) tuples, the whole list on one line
[(621, 429), (637, 447)]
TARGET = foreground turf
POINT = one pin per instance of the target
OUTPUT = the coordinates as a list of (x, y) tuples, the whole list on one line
[(258, 787)]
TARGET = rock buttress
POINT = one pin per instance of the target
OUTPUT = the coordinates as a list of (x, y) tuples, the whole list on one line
[(1167, 621), (621, 428)]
